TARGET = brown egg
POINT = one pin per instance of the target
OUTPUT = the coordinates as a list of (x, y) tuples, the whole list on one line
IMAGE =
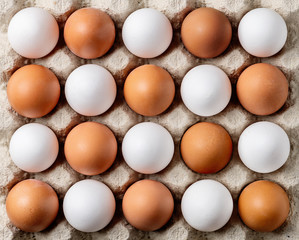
[(149, 90), (262, 89), (33, 91), (90, 148), (263, 206), (89, 33), (32, 205), (206, 147), (147, 205), (206, 32)]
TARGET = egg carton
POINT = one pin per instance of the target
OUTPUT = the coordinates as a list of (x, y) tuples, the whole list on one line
[(120, 118)]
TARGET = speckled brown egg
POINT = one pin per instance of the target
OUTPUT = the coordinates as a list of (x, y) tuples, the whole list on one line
[(89, 33), (147, 205), (206, 147), (90, 148), (262, 89), (206, 32), (33, 91), (263, 206), (149, 90), (32, 205)]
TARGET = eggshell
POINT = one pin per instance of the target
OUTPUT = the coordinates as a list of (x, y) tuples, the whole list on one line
[(89, 33), (32, 205), (263, 206), (147, 33), (264, 147), (90, 148), (147, 205), (207, 205), (262, 89), (206, 90), (33, 32), (262, 32), (90, 90), (206, 32), (147, 147), (206, 147), (33, 91), (149, 90), (33, 147), (89, 205)]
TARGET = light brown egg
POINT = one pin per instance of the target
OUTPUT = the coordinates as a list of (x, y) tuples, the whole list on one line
[(32, 205), (90, 148), (206, 147), (206, 32), (147, 205), (262, 89), (33, 91), (89, 33), (263, 206), (149, 90)]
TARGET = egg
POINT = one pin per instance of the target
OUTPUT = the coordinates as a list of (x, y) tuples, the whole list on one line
[(33, 147), (149, 90), (89, 205), (207, 205), (262, 32), (90, 90), (90, 148), (89, 33), (33, 91), (147, 205), (262, 89), (263, 206), (32, 205), (147, 33), (264, 147), (33, 32), (206, 90), (206, 32), (206, 147), (147, 148)]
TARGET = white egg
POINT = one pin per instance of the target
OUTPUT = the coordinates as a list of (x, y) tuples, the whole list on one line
[(33, 32), (206, 90), (90, 90), (89, 205), (147, 148), (33, 147), (207, 205), (262, 32), (264, 147), (147, 33)]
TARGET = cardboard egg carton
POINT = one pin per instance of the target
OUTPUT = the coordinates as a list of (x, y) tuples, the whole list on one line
[(119, 118)]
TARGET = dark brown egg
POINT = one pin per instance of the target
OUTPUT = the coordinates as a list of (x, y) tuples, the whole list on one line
[(206, 32), (206, 147), (263, 206)]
